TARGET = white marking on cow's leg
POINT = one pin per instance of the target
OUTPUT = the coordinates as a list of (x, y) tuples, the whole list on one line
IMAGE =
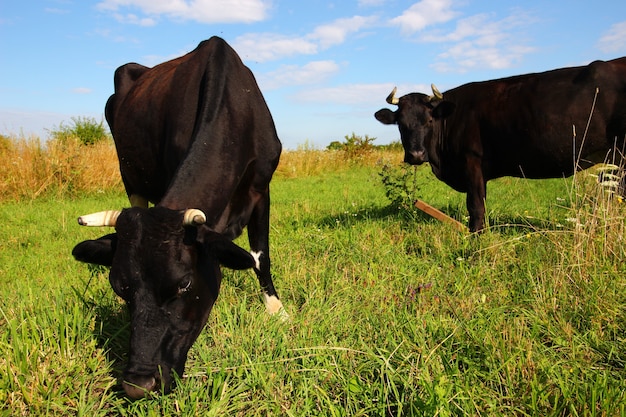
[(257, 259), (137, 200), (272, 304), (275, 306)]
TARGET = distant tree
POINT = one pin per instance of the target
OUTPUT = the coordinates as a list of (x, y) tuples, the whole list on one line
[(86, 129), (354, 146), (335, 146)]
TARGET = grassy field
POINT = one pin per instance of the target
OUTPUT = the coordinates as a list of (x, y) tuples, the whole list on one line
[(392, 313)]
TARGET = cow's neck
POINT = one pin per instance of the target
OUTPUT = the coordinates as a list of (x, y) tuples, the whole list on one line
[(436, 145)]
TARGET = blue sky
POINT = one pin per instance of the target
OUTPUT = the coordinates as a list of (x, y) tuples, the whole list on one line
[(324, 67)]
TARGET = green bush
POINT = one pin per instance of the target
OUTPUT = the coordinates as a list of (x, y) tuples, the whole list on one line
[(354, 146), (86, 129)]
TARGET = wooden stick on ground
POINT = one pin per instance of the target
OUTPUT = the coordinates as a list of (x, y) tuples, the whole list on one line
[(439, 215)]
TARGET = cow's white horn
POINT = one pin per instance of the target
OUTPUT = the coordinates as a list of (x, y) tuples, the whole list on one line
[(436, 92), (194, 217), (101, 218), (391, 98)]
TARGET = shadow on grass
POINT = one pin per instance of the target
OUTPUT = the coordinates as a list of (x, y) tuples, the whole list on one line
[(112, 323), (411, 217), (372, 213)]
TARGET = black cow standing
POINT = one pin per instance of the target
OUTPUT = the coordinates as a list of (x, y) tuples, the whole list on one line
[(194, 136), (519, 126)]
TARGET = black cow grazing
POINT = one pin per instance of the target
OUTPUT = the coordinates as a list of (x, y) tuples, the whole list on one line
[(194, 136), (520, 126)]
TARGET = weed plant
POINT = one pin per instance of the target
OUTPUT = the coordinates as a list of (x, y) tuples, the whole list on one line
[(392, 313)]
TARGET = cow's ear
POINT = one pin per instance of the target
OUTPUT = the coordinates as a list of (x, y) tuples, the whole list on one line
[(385, 116), (227, 253), (443, 109), (99, 251)]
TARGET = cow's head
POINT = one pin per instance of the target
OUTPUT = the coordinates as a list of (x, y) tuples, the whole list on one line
[(415, 117), (166, 265)]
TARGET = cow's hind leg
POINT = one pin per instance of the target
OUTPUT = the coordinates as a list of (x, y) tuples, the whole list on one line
[(476, 195), (258, 236)]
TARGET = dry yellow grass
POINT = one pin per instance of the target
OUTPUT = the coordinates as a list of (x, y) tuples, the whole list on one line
[(30, 169), (599, 231), (302, 163)]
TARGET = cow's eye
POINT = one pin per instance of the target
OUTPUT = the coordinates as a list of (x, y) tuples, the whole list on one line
[(184, 286)]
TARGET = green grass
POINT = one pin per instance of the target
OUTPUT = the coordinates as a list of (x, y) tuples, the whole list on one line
[(392, 312)]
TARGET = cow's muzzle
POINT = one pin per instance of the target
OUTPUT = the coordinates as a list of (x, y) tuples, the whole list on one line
[(415, 157), (140, 386)]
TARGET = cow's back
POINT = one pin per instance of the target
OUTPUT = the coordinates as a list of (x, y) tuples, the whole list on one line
[(139, 114), (157, 113), (525, 125)]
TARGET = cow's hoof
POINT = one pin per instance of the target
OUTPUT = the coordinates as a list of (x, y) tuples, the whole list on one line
[(275, 307)]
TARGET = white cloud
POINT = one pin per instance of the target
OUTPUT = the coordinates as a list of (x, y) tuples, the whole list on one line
[(115, 36), (336, 32), (481, 42), (477, 26), (360, 95), (53, 10), (424, 13), (466, 55), (345, 94), (204, 11), (615, 39), (133, 19), (371, 3), (311, 73), (81, 90), (263, 47)]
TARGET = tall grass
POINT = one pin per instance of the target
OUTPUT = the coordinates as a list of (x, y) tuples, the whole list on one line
[(392, 313), (307, 161), (66, 167), (30, 169)]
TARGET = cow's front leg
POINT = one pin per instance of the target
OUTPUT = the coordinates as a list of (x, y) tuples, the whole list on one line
[(258, 236), (476, 195)]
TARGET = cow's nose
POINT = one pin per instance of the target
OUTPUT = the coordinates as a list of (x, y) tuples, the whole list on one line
[(137, 387), (415, 157)]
